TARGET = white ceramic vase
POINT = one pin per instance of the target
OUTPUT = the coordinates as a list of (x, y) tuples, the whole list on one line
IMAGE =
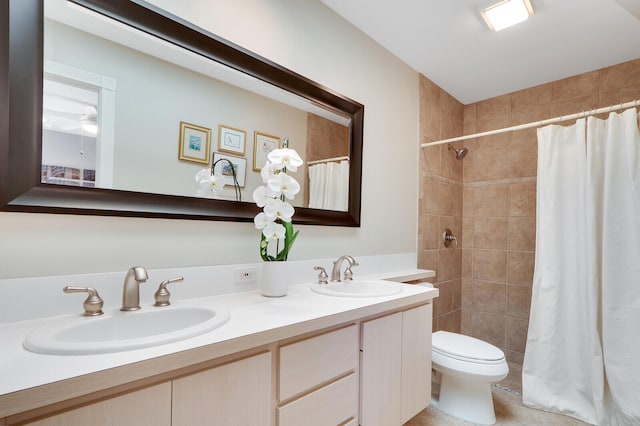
[(274, 279)]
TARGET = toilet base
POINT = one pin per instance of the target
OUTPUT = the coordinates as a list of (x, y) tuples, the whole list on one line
[(469, 400)]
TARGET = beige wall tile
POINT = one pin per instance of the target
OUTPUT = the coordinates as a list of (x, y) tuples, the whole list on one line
[(489, 327), (538, 95), (490, 265), (489, 157), (465, 323), (429, 109), (450, 263), (529, 113), (490, 233), (430, 227), (430, 195), (467, 263), (522, 233), (572, 106), (489, 297), (522, 199), (617, 96), (516, 334), (467, 293), (449, 322), (499, 106), (514, 357), (467, 201), (491, 201), (520, 267), (468, 163), (522, 157), (518, 301), (431, 157), (619, 76), (576, 87), (429, 260), (466, 240)]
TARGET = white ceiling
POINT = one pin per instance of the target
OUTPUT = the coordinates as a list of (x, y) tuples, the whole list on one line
[(449, 43)]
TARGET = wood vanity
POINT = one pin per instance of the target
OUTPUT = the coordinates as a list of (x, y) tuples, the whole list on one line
[(332, 362)]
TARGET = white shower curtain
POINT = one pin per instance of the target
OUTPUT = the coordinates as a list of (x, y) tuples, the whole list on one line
[(329, 186), (583, 349)]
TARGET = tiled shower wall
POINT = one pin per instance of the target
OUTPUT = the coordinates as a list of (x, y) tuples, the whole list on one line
[(498, 200), (441, 202)]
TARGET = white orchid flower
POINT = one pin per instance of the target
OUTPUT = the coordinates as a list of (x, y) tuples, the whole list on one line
[(282, 183), (278, 209), (273, 231), (260, 196), (267, 171), (209, 185), (285, 158), (261, 220)]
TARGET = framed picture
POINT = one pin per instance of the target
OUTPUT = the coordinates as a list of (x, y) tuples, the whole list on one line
[(195, 143), (231, 140), (262, 146), (239, 164)]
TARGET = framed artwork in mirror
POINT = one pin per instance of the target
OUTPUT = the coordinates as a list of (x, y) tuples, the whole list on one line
[(231, 140), (262, 146), (224, 168), (195, 143)]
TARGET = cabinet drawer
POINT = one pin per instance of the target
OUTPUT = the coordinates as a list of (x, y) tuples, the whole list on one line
[(317, 360), (333, 404)]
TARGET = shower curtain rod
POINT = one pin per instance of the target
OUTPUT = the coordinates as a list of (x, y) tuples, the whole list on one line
[(537, 123), (326, 160)]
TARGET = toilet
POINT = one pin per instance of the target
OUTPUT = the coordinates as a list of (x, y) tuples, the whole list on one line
[(468, 367)]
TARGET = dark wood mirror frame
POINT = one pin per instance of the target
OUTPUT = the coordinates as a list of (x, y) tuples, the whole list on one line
[(21, 71)]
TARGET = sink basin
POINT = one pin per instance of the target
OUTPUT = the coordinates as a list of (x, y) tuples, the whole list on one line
[(358, 288), (124, 331)]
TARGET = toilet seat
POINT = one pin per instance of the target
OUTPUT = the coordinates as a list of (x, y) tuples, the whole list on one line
[(466, 348)]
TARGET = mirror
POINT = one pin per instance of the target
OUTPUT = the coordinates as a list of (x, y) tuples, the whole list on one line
[(122, 182)]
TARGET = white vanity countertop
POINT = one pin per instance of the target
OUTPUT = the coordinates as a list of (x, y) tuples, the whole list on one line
[(255, 320)]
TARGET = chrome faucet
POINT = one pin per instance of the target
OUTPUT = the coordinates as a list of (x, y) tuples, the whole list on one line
[(335, 272), (131, 289)]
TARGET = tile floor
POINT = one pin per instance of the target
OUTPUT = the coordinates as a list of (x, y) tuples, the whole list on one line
[(508, 406)]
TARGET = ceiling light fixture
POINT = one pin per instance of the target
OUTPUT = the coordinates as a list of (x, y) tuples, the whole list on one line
[(507, 13)]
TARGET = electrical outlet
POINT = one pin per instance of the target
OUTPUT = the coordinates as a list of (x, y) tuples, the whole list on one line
[(245, 275)]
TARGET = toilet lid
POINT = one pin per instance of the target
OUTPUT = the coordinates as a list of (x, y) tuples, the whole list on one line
[(465, 347)]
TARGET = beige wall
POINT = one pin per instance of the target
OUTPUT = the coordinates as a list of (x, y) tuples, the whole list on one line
[(499, 204), (310, 39)]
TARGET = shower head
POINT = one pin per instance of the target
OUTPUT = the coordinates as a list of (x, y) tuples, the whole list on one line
[(460, 153)]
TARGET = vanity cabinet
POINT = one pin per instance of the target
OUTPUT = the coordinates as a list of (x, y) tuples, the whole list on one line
[(318, 379), (370, 370), (395, 367), (149, 406), (237, 393)]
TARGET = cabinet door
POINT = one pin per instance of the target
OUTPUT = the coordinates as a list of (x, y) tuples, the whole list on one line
[(146, 407), (381, 371), (416, 360), (238, 394)]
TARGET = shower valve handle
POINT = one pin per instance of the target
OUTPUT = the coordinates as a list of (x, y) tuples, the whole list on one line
[(447, 237)]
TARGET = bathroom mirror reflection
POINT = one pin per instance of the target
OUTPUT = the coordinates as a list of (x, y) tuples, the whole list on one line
[(115, 98), (99, 126)]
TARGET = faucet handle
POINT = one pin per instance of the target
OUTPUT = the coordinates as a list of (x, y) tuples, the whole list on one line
[(162, 295), (348, 273), (93, 304), (322, 276)]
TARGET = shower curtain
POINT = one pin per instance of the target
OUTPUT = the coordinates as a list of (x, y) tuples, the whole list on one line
[(583, 348), (329, 186)]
